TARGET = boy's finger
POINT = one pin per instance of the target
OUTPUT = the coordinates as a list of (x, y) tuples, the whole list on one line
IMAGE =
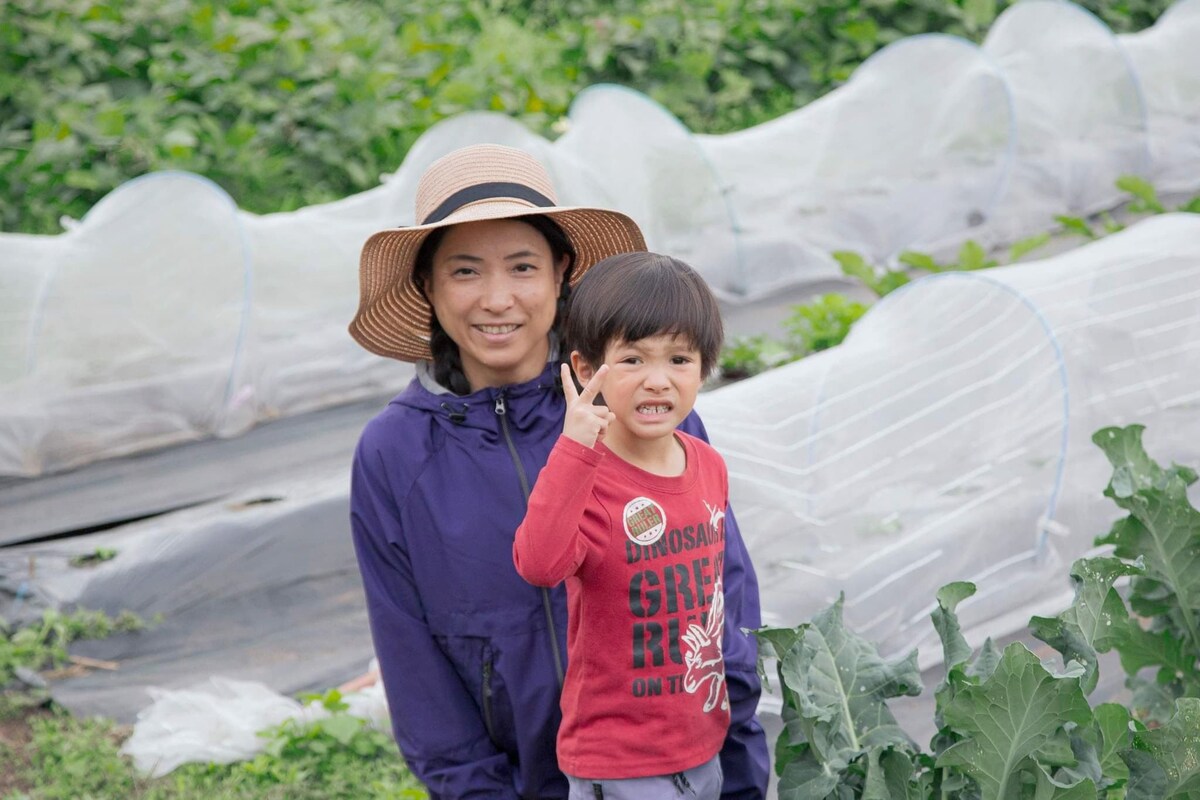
[(594, 385), (568, 384)]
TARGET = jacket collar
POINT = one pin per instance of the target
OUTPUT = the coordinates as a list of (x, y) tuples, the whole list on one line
[(523, 403)]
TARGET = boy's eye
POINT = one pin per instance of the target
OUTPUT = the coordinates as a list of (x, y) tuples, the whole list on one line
[(681, 360)]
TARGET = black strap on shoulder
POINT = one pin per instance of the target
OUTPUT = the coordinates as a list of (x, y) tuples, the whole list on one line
[(482, 191)]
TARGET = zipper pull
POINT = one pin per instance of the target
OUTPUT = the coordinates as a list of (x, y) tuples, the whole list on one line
[(501, 407)]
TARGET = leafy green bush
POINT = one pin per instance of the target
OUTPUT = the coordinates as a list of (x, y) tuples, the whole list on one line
[(1009, 727), (287, 103)]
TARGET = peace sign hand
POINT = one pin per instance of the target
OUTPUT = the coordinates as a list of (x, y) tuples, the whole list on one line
[(584, 422)]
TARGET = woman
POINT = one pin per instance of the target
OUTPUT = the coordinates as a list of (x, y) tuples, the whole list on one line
[(472, 657)]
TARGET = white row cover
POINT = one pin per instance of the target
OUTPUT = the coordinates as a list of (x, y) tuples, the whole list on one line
[(949, 437), (168, 314)]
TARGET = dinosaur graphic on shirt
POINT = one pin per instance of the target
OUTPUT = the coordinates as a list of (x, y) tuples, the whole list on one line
[(705, 664)]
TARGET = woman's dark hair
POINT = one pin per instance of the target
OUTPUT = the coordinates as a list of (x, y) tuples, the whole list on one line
[(635, 295), (447, 361)]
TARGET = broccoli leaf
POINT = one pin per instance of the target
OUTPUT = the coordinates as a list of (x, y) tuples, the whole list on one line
[(1164, 529), (835, 712), (945, 622), (1008, 718), (891, 776), (1049, 788), (805, 778), (1097, 619), (1164, 763)]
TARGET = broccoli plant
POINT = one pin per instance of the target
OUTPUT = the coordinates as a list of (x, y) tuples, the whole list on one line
[(1010, 727)]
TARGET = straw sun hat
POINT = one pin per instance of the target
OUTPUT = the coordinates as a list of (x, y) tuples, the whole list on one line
[(474, 183)]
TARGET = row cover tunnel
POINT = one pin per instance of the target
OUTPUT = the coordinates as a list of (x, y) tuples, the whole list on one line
[(168, 314)]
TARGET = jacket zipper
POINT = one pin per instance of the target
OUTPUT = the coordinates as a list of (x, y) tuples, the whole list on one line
[(487, 698), (502, 413)]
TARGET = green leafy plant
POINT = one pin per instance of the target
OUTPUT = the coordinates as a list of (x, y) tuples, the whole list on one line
[(838, 731), (746, 356), (809, 328), (879, 281), (1009, 727), (971, 256), (97, 556), (921, 261), (43, 644), (1026, 246), (288, 103), (68, 759), (1145, 198), (1076, 226), (1110, 224), (822, 323), (299, 750), (1157, 546)]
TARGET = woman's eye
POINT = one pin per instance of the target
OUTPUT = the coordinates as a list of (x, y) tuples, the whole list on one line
[(462, 271), (524, 268)]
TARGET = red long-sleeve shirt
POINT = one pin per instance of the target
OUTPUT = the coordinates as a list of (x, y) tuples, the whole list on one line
[(642, 555)]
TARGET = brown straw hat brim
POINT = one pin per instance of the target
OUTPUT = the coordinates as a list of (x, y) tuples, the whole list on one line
[(393, 316)]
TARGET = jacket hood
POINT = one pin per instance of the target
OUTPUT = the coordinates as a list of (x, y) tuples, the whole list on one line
[(523, 403)]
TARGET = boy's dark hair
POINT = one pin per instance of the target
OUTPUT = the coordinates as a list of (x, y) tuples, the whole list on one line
[(632, 296), (447, 361)]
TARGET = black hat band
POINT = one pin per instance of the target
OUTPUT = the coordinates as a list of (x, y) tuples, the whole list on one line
[(482, 191)]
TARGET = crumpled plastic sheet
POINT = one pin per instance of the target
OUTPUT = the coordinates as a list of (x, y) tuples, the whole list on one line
[(219, 720)]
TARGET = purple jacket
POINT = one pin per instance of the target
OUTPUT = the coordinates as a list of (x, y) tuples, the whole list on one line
[(472, 655)]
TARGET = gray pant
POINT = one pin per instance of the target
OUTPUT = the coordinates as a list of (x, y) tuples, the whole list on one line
[(698, 783)]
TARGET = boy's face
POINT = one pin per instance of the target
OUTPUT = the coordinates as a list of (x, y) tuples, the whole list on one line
[(651, 385)]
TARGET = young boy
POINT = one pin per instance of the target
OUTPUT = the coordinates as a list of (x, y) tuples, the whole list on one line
[(629, 511)]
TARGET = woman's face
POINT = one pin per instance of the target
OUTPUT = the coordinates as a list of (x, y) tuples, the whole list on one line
[(494, 288)]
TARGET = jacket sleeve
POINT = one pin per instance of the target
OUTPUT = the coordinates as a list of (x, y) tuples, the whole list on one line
[(549, 545), (437, 723), (744, 757)]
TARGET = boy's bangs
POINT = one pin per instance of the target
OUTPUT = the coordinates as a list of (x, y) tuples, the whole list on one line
[(638, 295)]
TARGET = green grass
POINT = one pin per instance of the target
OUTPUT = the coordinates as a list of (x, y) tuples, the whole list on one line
[(77, 759)]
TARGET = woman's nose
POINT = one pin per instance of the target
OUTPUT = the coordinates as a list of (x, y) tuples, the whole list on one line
[(497, 294)]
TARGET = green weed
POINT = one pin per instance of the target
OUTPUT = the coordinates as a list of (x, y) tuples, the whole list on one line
[(337, 757), (97, 556), (43, 644)]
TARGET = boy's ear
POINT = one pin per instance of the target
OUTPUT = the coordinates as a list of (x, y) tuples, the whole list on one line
[(583, 370)]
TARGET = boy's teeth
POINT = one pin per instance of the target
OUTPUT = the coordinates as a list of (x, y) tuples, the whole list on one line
[(654, 409)]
